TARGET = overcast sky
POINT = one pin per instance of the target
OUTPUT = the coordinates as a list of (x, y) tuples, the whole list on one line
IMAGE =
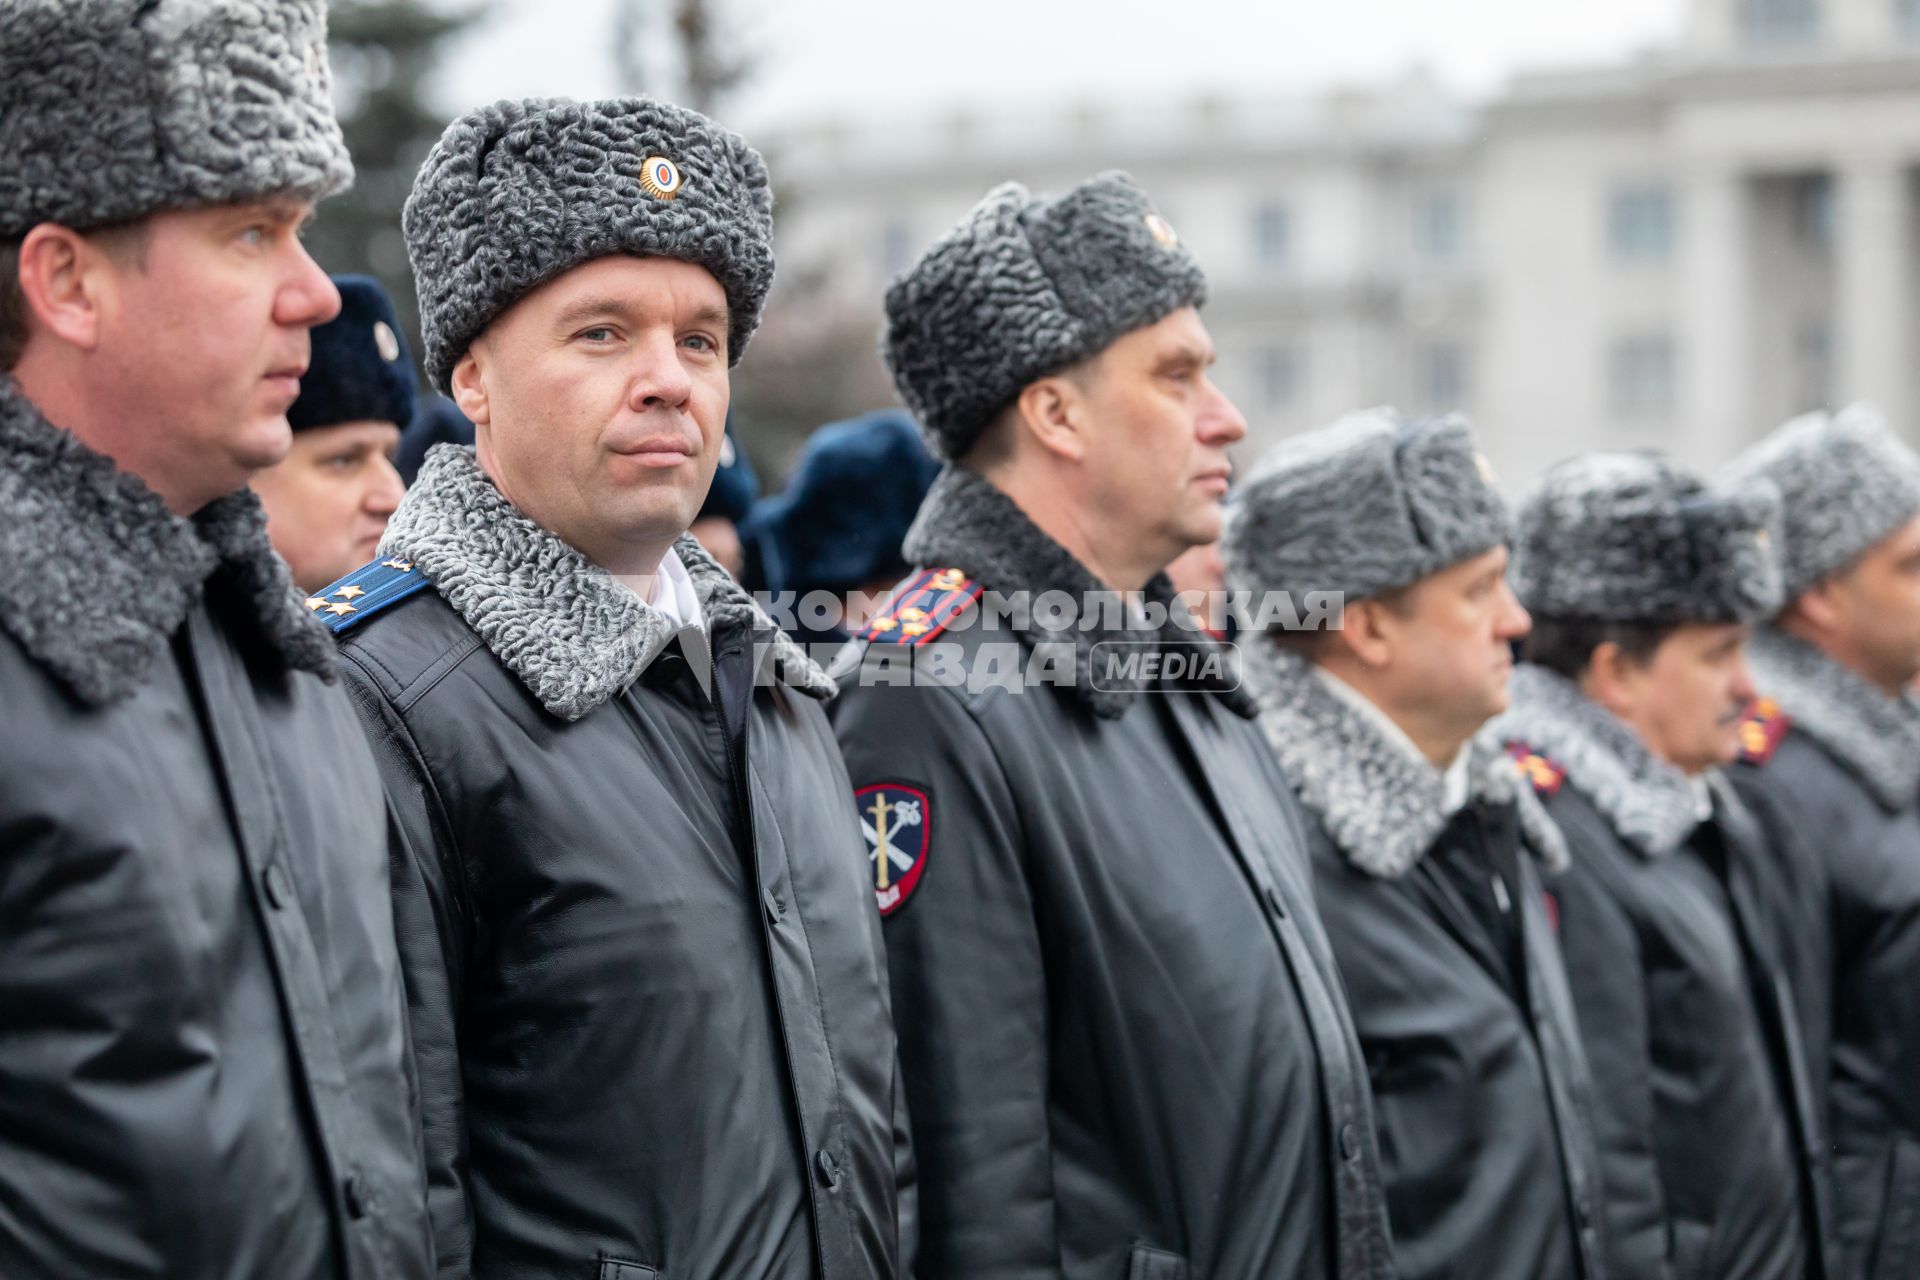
[(843, 58)]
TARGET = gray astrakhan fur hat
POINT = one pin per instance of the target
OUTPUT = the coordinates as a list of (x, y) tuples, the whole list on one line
[(1023, 288), (114, 109), (520, 192), (1631, 537), (1845, 483), (1372, 503)]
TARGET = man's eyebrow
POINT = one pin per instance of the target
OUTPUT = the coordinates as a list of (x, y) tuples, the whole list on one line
[(289, 212), (592, 307), (1182, 356), (602, 306)]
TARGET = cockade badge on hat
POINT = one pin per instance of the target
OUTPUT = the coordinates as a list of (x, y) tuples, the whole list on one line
[(660, 178)]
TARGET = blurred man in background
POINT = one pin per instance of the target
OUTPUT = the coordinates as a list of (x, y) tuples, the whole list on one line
[(1830, 762), (838, 526), (729, 500), (329, 500), (1643, 584), (1427, 848)]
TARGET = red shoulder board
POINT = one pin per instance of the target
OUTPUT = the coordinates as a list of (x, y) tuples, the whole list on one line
[(922, 607), (1762, 730), (1544, 774)]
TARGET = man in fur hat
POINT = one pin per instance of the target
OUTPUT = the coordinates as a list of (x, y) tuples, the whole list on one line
[(649, 1001), (1830, 763), (204, 1068), (1424, 839), (1643, 583), (1123, 1038)]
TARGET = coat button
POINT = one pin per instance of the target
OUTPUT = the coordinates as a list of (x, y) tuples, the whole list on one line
[(828, 1168), (1274, 900), (1349, 1142), (279, 887), (355, 1197)]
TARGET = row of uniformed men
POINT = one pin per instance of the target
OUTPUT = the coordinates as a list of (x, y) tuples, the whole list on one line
[(546, 948)]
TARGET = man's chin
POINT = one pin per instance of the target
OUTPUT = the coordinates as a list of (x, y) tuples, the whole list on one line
[(266, 442)]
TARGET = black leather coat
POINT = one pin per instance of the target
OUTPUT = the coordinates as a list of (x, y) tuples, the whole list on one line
[(648, 994), (1834, 778), (203, 1068), (1124, 1042)]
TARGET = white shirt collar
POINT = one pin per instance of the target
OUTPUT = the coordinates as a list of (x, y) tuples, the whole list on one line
[(673, 594), (1456, 781), (1702, 796)]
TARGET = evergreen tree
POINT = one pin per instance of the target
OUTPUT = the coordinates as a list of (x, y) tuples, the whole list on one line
[(384, 53)]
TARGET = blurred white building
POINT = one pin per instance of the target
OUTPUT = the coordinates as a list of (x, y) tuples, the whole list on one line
[(1676, 253)]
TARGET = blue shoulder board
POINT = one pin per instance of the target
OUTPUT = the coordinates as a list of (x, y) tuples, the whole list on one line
[(365, 592)]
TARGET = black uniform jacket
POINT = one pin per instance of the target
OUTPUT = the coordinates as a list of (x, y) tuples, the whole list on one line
[(1124, 1041), (202, 1027), (648, 994), (1832, 771), (1710, 1128), (1437, 919)]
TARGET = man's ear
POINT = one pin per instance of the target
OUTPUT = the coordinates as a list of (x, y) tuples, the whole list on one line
[(1052, 411), (469, 383), (1819, 605), (67, 282), (1363, 635), (1608, 679)]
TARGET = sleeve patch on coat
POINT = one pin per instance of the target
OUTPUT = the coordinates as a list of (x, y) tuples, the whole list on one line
[(1543, 774), (922, 607), (1762, 730), (897, 821)]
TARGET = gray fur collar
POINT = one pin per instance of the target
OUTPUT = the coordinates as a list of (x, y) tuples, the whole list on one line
[(572, 633), (967, 524), (1650, 804), (1380, 804), (1874, 737), (96, 574)]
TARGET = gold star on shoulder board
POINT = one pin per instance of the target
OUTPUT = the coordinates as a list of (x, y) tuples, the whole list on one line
[(914, 629), (404, 566), (350, 593), (341, 610), (316, 602), (947, 580)]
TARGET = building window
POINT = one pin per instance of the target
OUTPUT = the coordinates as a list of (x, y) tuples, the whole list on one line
[(1813, 359), (1774, 23), (1640, 376), (1640, 222), (1437, 229), (1443, 377), (1813, 211), (1279, 372), (1272, 235)]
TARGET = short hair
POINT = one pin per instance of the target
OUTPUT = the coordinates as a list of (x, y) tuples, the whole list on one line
[(1314, 643), (124, 242), (1565, 646), (13, 307)]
